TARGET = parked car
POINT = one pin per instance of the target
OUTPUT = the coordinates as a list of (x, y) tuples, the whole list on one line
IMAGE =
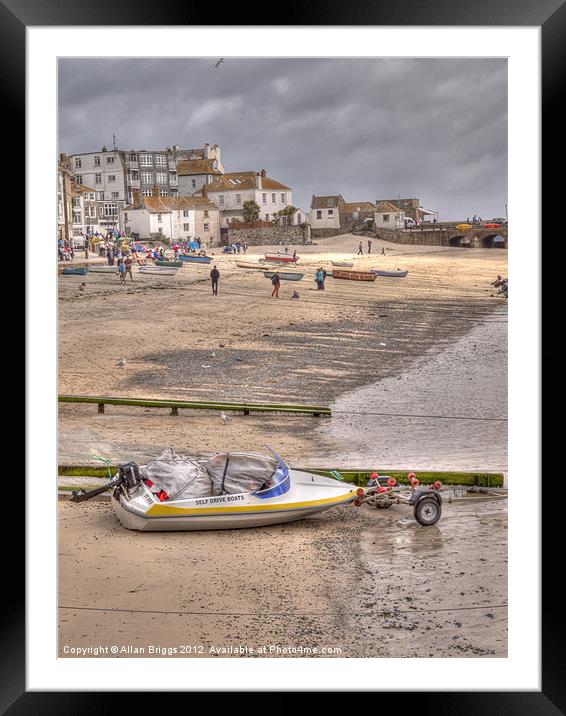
[(410, 223), (499, 220)]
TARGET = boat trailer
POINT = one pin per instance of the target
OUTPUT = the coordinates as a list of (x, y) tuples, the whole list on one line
[(383, 492)]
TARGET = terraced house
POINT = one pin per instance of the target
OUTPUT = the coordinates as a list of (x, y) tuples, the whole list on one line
[(331, 215), (170, 219), (232, 190)]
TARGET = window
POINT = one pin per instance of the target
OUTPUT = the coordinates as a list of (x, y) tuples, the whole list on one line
[(163, 192), (100, 195), (110, 160), (79, 179), (284, 220), (193, 183), (330, 212), (267, 217), (221, 199), (206, 213), (125, 216), (146, 192), (98, 178), (97, 161), (115, 194), (146, 160), (78, 162), (147, 178), (273, 199), (112, 177), (206, 227), (133, 157), (77, 201), (161, 177), (159, 219), (186, 216), (238, 198), (186, 227), (160, 160), (110, 209), (264, 198), (386, 217), (319, 214), (283, 198)]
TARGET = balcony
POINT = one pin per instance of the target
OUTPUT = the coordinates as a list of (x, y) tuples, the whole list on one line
[(131, 164), (134, 183)]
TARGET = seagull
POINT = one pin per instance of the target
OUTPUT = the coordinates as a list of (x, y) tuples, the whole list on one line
[(121, 362), (225, 418), (220, 61)]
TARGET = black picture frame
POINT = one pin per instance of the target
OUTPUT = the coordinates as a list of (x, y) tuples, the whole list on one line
[(550, 16)]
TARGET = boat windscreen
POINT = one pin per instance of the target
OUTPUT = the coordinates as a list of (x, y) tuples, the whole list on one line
[(278, 483)]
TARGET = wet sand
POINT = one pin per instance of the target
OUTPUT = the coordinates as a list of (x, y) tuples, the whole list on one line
[(364, 581)]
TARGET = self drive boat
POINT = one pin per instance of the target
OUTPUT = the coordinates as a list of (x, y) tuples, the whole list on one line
[(218, 495), (237, 490)]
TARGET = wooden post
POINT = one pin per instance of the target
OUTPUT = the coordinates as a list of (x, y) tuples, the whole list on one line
[(174, 411), (101, 407)]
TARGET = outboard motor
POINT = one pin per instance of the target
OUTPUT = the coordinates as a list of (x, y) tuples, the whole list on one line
[(128, 477)]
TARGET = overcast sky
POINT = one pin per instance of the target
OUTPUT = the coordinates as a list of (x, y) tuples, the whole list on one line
[(366, 129)]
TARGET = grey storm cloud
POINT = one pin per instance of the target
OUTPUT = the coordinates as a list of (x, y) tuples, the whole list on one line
[(435, 129)]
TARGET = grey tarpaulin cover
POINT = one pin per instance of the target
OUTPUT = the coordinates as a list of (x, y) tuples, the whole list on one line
[(180, 476), (246, 472)]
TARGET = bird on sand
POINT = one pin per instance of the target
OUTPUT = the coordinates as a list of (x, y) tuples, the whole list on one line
[(225, 418), (220, 61), (121, 362)]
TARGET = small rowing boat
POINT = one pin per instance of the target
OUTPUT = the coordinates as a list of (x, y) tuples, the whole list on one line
[(159, 270), (250, 265), (354, 275), (282, 258), (195, 259), (392, 274), (171, 264), (103, 269), (346, 264), (284, 275), (75, 271)]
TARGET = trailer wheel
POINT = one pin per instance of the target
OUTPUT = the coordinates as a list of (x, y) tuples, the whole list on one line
[(428, 511)]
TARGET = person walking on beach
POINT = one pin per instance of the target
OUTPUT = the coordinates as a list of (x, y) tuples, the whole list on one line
[(276, 281), (214, 276), (319, 280), (122, 271), (369, 246), (383, 250), (128, 264), (360, 249)]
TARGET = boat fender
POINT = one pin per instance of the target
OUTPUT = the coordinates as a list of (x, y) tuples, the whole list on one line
[(162, 496), (391, 482)]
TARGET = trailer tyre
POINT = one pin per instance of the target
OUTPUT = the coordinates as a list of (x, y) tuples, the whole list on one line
[(428, 511)]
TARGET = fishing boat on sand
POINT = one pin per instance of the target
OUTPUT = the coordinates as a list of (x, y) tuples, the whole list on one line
[(195, 259), (284, 275), (78, 271), (159, 270), (171, 264), (345, 264), (241, 489), (392, 274), (251, 265), (103, 269), (282, 258), (354, 275)]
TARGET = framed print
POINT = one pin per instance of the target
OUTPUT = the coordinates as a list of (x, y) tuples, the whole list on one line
[(283, 416)]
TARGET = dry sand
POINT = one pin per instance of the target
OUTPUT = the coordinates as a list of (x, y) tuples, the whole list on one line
[(367, 582)]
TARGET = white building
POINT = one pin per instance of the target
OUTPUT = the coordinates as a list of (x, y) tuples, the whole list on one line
[(198, 167), (85, 211), (325, 212), (172, 219), (231, 191), (389, 216)]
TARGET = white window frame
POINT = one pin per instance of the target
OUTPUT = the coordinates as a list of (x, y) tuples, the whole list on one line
[(146, 160), (96, 161), (110, 160), (206, 227), (161, 178), (98, 178), (111, 177), (264, 198), (78, 162), (160, 160), (221, 199)]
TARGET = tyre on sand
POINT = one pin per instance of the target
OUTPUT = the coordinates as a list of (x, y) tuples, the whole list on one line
[(428, 511)]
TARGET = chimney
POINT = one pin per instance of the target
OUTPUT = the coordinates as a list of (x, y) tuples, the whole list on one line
[(155, 191), (263, 173), (207, 151), (258, 182), (136, 199)]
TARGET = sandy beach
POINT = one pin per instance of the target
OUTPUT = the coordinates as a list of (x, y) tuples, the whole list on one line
[(361, 348), (415, 371)]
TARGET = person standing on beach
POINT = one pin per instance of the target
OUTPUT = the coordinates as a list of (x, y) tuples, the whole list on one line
[(360, 249), (319, 280), (214, 276), (276, 281), (122, 271), (369, 246), (128, 264)]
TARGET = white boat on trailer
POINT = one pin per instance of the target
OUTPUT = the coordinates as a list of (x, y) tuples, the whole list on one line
[(216, 496)]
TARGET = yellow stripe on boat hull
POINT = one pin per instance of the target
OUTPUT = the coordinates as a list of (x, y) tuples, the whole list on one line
[(163, 510)]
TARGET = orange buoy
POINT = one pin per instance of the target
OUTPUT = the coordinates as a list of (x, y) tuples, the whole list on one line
[(392, 482)]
